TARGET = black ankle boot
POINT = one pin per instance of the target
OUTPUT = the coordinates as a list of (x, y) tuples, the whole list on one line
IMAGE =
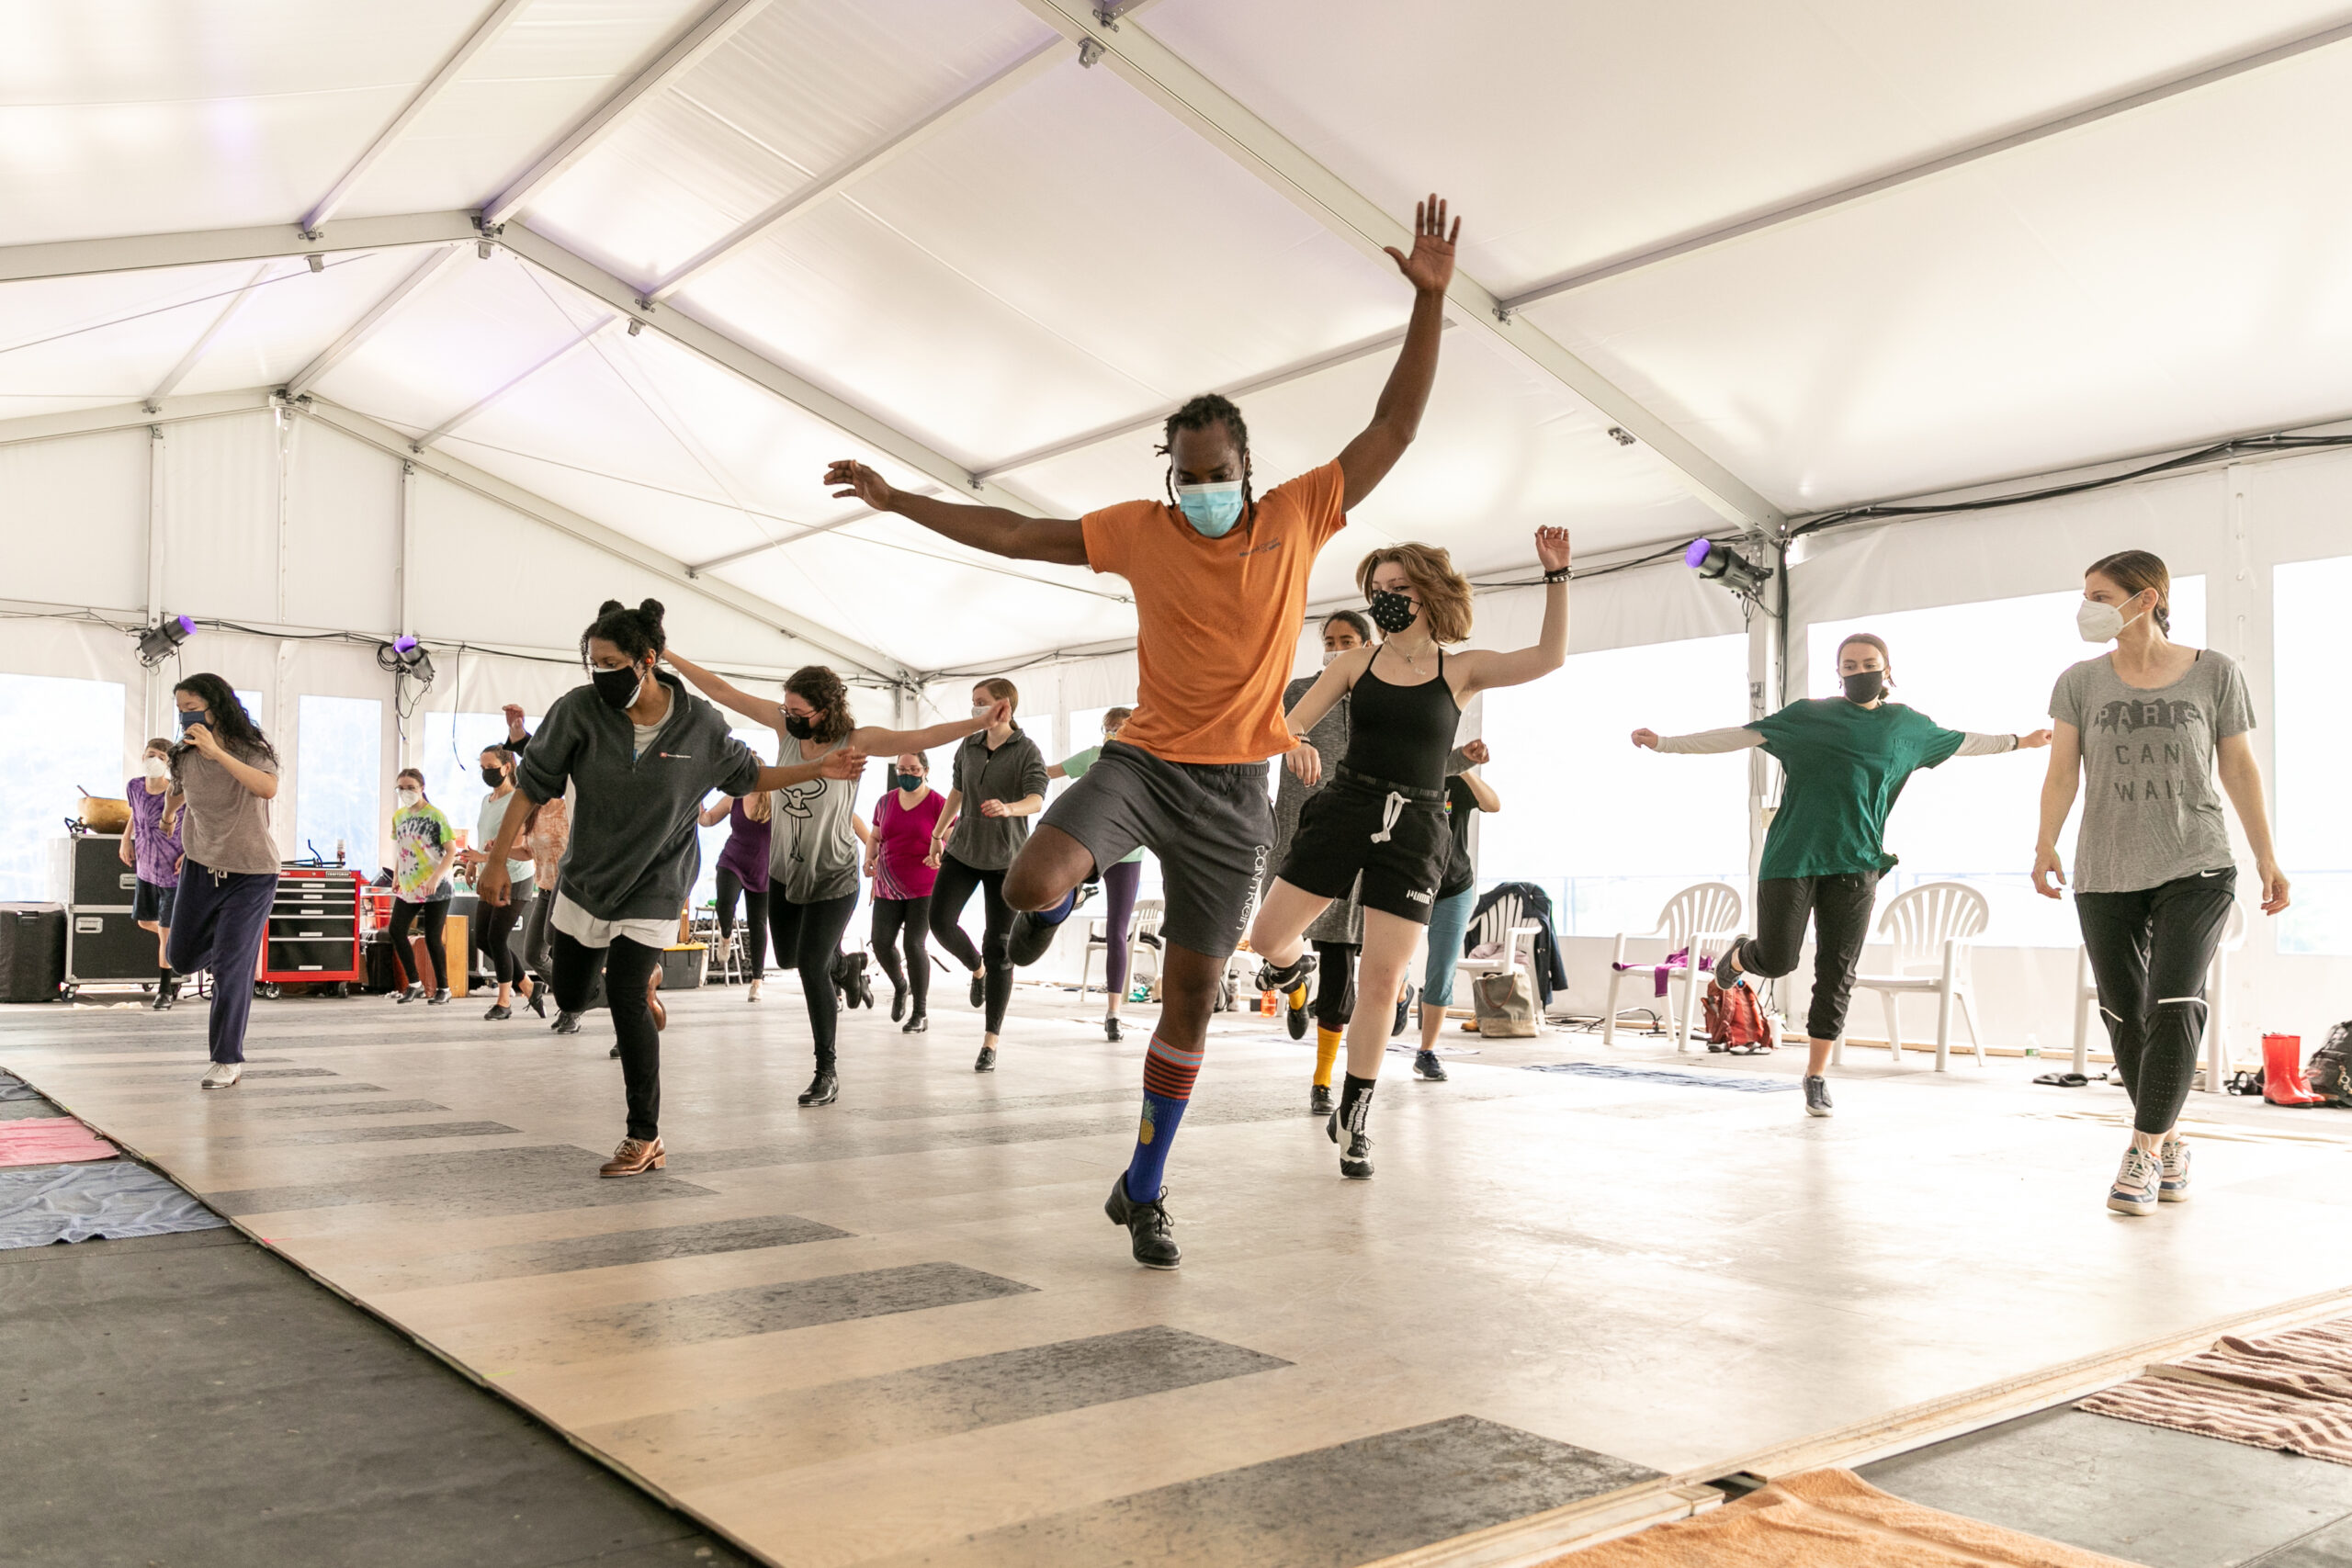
[(1151, 1233), (823, 1089)]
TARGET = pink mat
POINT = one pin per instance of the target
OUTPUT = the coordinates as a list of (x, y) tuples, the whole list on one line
[(49, 1140)]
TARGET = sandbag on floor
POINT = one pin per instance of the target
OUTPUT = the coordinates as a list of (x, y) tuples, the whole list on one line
[(1830, 1518), (80, 1202)]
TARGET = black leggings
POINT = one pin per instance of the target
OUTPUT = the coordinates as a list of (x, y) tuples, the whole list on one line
[(907, 921), (2150, 950), (1841, 908), (432, 916), (498, 921), (1335, 984), (755, 919), (949, 896), (808, 936), (627, 966)]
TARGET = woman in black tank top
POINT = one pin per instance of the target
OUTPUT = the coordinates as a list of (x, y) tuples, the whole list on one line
[(1380, 815)]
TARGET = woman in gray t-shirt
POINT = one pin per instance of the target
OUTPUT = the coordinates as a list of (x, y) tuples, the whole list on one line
[(813, 848), (2146, 730), (224, 774)]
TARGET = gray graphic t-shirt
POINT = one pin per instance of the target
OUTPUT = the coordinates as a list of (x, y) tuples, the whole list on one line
[(2151, 809), (813, 852)]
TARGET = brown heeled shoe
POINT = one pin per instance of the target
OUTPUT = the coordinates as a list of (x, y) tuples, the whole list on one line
[(635, 1157), (653, 1002)]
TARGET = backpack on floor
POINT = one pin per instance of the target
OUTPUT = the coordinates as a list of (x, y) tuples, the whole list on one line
[(2329, 1072), (1735, 1023)]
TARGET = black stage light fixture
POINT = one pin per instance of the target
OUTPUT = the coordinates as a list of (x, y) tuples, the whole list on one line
[(158, 641), (1720, 563), (405, 655)]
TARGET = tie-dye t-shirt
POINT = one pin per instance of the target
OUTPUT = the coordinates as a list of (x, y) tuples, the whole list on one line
[(420, 835)]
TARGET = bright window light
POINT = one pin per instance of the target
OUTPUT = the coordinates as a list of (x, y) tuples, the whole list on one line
[(1612, 831), (338, 780), (2310, 755), (450, 759), (73, 733), (1988, 666)]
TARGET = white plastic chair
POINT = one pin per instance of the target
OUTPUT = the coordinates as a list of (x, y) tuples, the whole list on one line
[(1144, 922), (1505, 928), (1699, 922), (1933, 928), (2217, 1033)]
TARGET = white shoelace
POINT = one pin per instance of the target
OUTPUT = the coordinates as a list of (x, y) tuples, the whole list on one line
[(1391, 810), (2138, 1171)]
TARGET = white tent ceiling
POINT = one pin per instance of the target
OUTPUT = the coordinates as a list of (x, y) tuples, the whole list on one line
[(922, 232)]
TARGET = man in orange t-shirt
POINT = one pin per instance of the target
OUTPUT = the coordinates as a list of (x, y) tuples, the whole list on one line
[(1220, 579)]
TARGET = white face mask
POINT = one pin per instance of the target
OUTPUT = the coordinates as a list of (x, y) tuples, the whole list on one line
[(157, 768), (407, 797), (2101, 623), (981, 710)]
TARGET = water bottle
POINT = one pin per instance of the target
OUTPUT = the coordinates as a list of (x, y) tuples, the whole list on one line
[(338, 852)]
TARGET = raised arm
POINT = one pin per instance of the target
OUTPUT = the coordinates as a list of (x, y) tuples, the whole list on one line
[(846, 764), (1974, 745), (1396, 417), (712, 816), (880, 742), (2242, 778), (1305, 762), (1483, 672), (2058, 788), (989, 529), (726, 693)]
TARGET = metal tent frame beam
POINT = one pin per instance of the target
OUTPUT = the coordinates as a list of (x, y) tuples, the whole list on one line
[(348, 341), (196, 350), (687, 50), (1165, 77), (1845, 196), (141, 253)]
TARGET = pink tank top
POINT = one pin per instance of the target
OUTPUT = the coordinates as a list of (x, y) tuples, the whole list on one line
[(905, 839)]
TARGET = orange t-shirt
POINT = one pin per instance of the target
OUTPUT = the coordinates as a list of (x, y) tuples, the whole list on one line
[(1217, 619)]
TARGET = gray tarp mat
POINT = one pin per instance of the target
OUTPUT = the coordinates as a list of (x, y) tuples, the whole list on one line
[(76, 1203), (1666, 1075), (14, 1088)]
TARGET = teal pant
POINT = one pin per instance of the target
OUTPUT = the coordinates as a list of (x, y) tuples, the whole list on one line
[(1449, 918)]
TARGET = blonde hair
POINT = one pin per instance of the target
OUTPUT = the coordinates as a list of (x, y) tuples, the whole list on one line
[(1444, 593), (756, 805)]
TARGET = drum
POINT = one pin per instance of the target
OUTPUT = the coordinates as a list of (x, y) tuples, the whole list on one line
[(103, 816)]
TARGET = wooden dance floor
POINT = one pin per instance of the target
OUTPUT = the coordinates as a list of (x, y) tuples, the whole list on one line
[(899, 1330)]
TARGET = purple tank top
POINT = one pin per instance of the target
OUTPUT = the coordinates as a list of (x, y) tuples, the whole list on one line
[(746, 854)]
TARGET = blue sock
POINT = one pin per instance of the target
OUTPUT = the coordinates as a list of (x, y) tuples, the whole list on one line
[(1168, 1074), (1054, 914)]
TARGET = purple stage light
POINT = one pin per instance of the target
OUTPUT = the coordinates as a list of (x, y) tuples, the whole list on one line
[(1696, 556)]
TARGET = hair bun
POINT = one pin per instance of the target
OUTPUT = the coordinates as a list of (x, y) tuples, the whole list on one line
[(652, 610), (608, 606)]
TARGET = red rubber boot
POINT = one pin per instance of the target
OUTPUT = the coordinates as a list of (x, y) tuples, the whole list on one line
[(2282, 1071)]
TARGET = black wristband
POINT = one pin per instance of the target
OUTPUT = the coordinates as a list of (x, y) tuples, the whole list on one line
[(1559, 576)]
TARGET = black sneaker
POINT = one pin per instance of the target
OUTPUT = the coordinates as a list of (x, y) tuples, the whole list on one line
[(1294, 1015), (538, 1000), (615, 1052), (499, 1012), (439, 999), (1404, 1008), (979, 990), (823, 1089), (1816, 1097), (1032, 937), (1150, 1227), (986, 1061), (406, 995), (919, 1024), (897, 1003), (1426, 1064), (1320, 1101), (166, 993), (1287, 979), (1725, 976), (1110, 1030), (1355, 1153), (565, 1022)]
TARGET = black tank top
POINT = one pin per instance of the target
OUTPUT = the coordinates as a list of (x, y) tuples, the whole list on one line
[(1401, 733)]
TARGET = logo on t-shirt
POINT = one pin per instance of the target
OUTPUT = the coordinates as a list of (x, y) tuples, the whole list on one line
[(799, 799), (2129, 715)]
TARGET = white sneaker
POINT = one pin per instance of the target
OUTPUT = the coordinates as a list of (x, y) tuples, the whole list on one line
[(223, 1075), (2172, 1180), (2135, 1192)]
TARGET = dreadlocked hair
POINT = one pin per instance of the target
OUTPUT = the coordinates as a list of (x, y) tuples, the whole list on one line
[(816, 685), (1209, 408), (635, 632)]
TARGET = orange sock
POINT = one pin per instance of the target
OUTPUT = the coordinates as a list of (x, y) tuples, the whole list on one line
[(1327, 1051)]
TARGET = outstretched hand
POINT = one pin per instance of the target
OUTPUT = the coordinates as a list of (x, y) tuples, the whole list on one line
[(2034, 740), (1000, 712), (1645, 737), (1552, 548), (862, 483), (846, 764), (1431, 266)]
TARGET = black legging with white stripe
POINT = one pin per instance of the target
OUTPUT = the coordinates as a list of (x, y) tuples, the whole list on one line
[(2150, 950)]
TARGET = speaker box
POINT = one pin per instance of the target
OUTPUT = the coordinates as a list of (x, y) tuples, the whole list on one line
[(87, 869), (32, 951)]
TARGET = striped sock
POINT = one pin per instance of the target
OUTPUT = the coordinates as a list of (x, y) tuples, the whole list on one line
[(1168, 1074), (1327, 1054)]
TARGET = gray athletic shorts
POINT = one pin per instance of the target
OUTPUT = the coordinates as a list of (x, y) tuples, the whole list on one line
[(1211, 825)]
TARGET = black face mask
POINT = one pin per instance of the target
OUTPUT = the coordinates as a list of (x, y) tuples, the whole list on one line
[(799, 728), (1392, 613), (1864, 685), (910, 782), (618, 687), (493, 777)]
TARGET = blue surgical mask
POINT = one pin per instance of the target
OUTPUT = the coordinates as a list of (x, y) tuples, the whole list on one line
[(187, 718), (1212, 509)]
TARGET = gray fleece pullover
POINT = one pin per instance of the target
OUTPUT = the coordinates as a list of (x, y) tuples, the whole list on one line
[(634, 854)]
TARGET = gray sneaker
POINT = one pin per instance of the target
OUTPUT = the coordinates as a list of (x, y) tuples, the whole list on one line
[(2135, 1192), (1816, 1097), (1725, 974), (2172, 1172)]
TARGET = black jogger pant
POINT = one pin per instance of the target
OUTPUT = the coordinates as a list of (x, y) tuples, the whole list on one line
[(2149, 952), (430, 918), (627, 966), (497, 925), (905, 921), (994, 957), (536, 929), (808, 936), (1841, 908), (755, 919)]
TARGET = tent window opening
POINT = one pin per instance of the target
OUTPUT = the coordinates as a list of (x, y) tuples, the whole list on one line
[(2310, 756), (338, 779), (79, 746)]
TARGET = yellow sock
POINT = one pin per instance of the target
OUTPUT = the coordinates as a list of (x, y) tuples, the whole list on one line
[(1298, 999), (1327, 1051)]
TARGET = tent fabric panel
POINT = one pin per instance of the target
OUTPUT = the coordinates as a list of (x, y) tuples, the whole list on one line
[(107, 337), (344, 538), (283, 324), (74, 515), (221, 519)]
